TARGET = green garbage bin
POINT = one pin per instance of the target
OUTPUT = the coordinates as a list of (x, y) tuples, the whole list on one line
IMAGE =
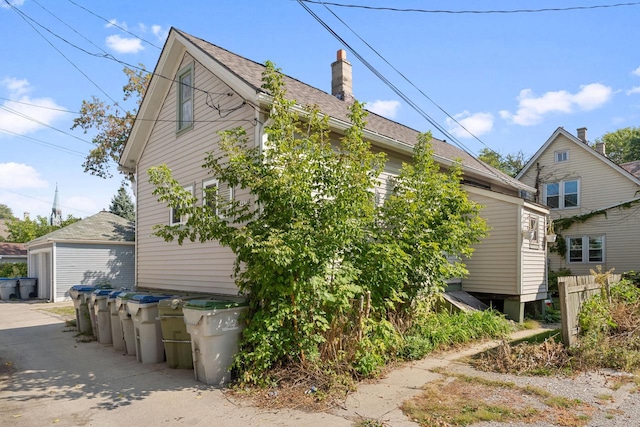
[(215, 328), (176, 339)]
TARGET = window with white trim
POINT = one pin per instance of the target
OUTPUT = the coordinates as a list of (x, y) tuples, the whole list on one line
[(215, 194), (561, 156), (185, 99), (177, 216), (563, 194), (585, 249)]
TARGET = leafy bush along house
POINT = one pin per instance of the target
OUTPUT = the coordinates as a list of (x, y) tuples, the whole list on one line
[(593, 201), (199, 89)]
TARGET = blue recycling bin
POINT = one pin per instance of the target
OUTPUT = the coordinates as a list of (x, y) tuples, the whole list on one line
[(101, 318), (147, 327)]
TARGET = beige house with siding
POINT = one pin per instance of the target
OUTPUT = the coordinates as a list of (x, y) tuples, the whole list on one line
[(199, 89), (599, 198)]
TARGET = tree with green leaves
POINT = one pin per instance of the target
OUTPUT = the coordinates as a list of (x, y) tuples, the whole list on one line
[(122, 205), (22, 231), (510, 164), (112, 122), (6, 212), (622, 145), (302, 249)]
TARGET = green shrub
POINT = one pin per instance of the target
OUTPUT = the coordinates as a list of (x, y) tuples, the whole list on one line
[(13, 269)]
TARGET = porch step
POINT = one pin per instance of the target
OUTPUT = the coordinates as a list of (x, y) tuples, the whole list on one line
[(464, 301)]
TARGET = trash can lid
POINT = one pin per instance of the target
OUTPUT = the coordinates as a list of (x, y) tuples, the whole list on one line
[(113, 294), (145, 298), (82, 288), (102, 292), (126, 294), (7, 278), (208, 304)]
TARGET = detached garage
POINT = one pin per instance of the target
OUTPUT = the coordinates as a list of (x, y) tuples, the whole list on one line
[(98, 249)]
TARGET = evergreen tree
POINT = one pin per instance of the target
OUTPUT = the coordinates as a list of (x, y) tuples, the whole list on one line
[(122, 205)]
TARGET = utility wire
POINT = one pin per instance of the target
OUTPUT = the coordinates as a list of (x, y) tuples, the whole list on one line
[(110, 22), (401, 94), (26, 18), (45, 143), (45, 201), (24, 116), (409, 81), (476, 12)]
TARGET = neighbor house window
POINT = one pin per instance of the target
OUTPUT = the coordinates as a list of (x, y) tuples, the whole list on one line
[(562, 156), (585, 249), (178, 216), (214, 195), (185, 98), (563, 194)]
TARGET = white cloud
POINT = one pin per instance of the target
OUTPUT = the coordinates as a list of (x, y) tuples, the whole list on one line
[(14, 3), (115, 23), (15, 115), (124, 44), (18, 176), (82, 204), (388, 109), (532, 108), (159, 32), (476, 123), (636, 72), (633, 90)]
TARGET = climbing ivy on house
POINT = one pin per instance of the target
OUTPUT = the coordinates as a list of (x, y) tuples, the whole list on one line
[(562, 224), (331, 277)]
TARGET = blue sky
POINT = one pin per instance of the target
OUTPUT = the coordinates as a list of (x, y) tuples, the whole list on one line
[(509, 78)]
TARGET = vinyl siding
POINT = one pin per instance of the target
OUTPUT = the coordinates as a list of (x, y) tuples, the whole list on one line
[(621, 230), (494, 265), (601, 186), (194, 267), (90, 264), (533, 273)]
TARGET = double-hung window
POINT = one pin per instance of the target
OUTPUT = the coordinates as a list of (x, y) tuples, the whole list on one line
[(178, 216), (185, 99), (561, 156), (563, 194), (217, 196), (585, 249)]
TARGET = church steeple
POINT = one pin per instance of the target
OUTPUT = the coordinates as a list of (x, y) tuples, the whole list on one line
[(56, 213)]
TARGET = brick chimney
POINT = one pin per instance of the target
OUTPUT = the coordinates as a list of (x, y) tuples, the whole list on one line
[(582, 134), (600, 148), (341, 81)]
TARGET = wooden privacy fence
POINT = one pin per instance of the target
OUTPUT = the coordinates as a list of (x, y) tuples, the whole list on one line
[(574, 291)]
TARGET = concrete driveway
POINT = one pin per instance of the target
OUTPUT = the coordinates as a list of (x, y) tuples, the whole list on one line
[(47, 378)]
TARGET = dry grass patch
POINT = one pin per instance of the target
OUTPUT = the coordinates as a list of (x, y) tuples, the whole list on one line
[(67, 312), (463, 400)]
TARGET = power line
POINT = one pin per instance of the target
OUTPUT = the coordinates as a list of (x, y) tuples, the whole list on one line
[(45, 143), (410, 82), (45, 201), (26, 18), (401, 94), (24, 116), (114, 24), (476, 12)]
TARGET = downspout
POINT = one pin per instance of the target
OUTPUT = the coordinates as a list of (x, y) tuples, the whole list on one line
[(54, 278)]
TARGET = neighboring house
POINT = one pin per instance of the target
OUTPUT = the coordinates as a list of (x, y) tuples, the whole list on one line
[(98, 249), (199, 89), (600, 198), (12, 252)]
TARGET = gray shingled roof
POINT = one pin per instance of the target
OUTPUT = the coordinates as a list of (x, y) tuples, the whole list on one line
[(251, 73), (632, 167), (103, 226), (13, 249)]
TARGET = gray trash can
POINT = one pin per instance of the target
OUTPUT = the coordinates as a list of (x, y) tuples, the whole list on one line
[(99, 306), (215, 328), (7, 288), (116, 326), (27, 286), (147, 329), (83, 319), (126, 322)]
